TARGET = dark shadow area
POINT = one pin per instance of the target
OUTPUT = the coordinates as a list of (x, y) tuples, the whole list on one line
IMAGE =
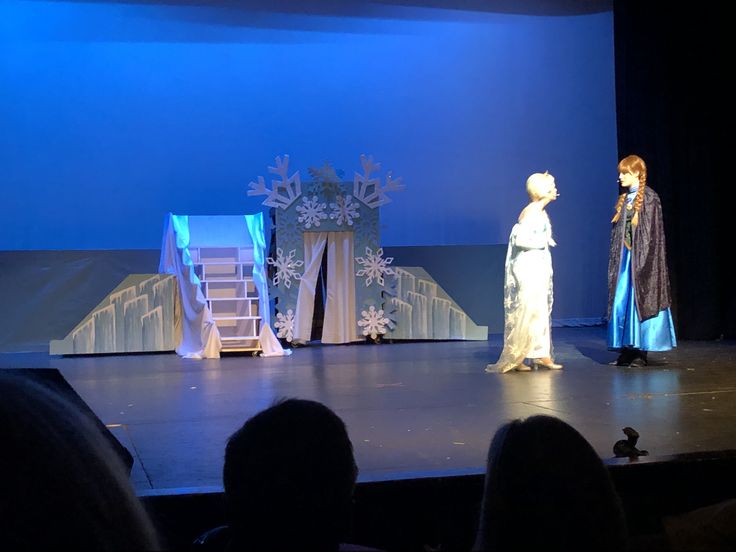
[(597, 354), (674, 110), (359, 8), (408, 515)]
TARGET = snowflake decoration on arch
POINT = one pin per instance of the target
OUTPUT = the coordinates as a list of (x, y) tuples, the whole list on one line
[(285, 267), (325, 180), (285, 325), (282, 192), (369, 190), (373, 322), (312, 212), (344, 210), (374, 266)]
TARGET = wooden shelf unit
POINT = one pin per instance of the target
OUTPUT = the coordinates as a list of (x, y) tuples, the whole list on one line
[(227, 284)]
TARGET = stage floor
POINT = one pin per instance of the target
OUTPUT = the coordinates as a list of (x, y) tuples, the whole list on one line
[(412, 409)]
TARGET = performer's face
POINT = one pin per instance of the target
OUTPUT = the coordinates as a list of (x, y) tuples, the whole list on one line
[(627, 180)]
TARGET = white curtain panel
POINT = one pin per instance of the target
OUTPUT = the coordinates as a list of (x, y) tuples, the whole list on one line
[(340, 325), (314, 247)]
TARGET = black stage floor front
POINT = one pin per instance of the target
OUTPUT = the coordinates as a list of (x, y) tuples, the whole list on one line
[(412, 409)]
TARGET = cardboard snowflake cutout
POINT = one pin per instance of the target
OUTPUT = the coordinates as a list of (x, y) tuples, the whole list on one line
[(369, 190), (374, 323), (311, 211), (285, 267), (374, 266), (326, 180), (283, 192), (344, 210), (285, 325)]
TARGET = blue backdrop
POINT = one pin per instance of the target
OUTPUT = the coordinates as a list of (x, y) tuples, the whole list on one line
[(113, 114)]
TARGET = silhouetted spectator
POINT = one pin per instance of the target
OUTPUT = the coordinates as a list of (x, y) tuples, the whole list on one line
[(62, 486), (289, 477), (547, 489)]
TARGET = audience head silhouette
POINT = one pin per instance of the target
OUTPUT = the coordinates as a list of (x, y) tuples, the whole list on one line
[(289, 477), (547, 489), (62, 486)]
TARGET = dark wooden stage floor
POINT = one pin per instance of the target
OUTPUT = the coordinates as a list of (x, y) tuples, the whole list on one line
[(412, 409)]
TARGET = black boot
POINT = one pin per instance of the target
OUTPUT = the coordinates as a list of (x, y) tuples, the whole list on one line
[(638, 358), (626, 356)]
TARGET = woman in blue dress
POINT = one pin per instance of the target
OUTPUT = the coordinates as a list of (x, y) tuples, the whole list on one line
[(639, 300)]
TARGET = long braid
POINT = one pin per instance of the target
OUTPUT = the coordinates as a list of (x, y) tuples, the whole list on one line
[(619, 205), (633, 164), (639, 199)]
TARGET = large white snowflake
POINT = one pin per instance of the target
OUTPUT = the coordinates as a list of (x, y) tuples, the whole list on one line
[(374, 266), (311, 212), (285, 267), (369, 190), (373, 322), (285, 325), (282, 193), (344, 210)]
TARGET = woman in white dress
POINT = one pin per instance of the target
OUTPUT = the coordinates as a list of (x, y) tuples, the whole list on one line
[(528, 284)]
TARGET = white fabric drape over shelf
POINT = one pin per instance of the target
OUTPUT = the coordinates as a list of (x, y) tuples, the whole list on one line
[(269, 343), (200, 337)]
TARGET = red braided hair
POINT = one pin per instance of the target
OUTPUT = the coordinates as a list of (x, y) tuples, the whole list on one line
[(633, 164)]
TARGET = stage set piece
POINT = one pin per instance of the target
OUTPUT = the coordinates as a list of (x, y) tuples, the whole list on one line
[(330, 225), (217, 290), (138, 315)]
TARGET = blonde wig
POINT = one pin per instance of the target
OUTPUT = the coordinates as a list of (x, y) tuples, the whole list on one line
[(538, 184)]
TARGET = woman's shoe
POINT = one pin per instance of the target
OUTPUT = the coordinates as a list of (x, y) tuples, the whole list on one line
[(492, 368), (547, 363)]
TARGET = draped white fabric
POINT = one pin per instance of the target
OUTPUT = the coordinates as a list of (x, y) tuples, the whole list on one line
[(200, 336), (339, 322), (269, 343), (314, 247), (528, 292), (258, 238)]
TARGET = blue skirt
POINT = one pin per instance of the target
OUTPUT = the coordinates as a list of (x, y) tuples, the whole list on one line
[(624, 328)]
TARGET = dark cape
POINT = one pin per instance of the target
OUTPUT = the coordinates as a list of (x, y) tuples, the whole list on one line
[(648, 258)]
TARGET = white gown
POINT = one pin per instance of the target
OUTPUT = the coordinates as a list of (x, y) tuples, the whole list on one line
[(527, 292)]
